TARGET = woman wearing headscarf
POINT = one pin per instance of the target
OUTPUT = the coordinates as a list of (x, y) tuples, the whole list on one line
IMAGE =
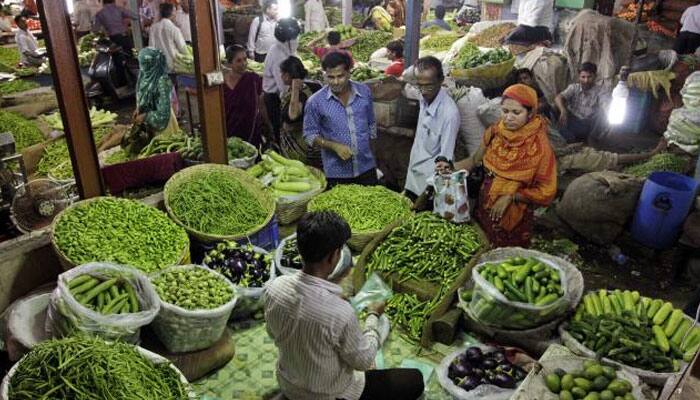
[(520, 169), (153, 90)]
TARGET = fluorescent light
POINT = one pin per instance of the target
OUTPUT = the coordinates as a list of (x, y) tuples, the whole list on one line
[(618, 105), (69, 3), (285, 8)]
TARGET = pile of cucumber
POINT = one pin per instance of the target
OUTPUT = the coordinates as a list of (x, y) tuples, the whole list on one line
[(635, 330), (105, 295), (594, 382)]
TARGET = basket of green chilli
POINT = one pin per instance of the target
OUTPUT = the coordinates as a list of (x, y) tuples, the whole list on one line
[(217, 202), (121, 231)]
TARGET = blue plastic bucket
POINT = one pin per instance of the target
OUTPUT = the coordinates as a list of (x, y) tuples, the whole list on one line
[(664, 204)]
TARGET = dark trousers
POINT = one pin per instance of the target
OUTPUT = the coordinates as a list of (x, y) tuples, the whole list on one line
[(395, 384), (260, 57), (369, 178), (120, 58), (273, 105), (686, 43), (577, 130)]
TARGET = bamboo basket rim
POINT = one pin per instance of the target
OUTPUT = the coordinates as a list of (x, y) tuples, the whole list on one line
[(252, 184), (68, 264)]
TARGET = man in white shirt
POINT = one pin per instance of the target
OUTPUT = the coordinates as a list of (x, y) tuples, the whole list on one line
[(688, 39), (316, 18), (261, 36), (438, 125), (167, 37), (322, 348), (29, 52), (182, 20), (286, 32), (82, 18)]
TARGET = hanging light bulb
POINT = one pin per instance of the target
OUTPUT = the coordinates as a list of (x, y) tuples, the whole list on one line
[(618, 106)]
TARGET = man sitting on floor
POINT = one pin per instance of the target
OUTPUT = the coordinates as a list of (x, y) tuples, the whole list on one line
[(581, 106), (322, 348)]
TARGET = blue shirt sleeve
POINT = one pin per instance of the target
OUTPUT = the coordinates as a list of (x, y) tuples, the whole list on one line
[(312, 121)]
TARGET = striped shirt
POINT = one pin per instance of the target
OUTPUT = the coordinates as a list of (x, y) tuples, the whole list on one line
[(321, 346)]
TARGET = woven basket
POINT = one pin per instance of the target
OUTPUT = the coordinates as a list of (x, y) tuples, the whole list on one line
[(290, 209), (246, 162), (359, 240), (66, 263), (251, 184), (488, 76)]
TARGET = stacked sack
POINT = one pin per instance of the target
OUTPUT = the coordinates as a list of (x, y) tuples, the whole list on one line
[(683, 127)]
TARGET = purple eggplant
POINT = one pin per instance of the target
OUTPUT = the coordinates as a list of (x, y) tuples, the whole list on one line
[(458, 371), (488, 363), (474, 355), (499, 356), (478, 372), (505, 368), (503, 380), (469, 383)]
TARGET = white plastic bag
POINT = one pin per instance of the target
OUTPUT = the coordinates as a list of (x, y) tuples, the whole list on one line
[(536, 13), (181, 330), (683, 129), (490, 112), (471, 130), (691, 91), (66, 315), (451, 200)]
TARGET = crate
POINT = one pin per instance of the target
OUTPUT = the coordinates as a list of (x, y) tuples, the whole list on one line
[(578, 4)]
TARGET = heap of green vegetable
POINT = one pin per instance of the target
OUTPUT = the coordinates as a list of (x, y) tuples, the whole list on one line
[(97, 118), (258, 67), (193, 289), (9, 58), (493, 36), (23, 130), (470, 57), (365, 208), (122, 231), (362, 73), (216, 203), (55, 160), (635, 330), (660, 162), (290, 255), (16, 86), (82, 368), (426, 248), (409, 313), (346, 31), (439, 41), (184, 61), (594, 382), (191, 148), (334, 15), (368, 42), (117, 157), (524, 280), (242, 265), (286, 177), (106, 296)]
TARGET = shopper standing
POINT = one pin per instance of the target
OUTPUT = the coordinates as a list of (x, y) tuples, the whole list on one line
[(339, 119), (166, 36), (261, 36), (316, 19), (111, 20), (688, 39)]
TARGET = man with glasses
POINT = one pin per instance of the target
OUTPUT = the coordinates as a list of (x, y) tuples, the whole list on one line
[(438, 125), (339, 119)]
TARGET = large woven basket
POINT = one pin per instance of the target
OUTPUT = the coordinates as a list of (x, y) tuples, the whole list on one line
[(252, 184), (66, 263), (290, 209), (488, 76)]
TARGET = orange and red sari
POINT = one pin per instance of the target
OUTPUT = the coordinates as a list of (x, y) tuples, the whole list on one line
[(519, 162)]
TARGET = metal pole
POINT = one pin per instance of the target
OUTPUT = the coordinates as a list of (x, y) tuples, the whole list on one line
[(413, 14), (63, 56), (209, 79), (136, 33)]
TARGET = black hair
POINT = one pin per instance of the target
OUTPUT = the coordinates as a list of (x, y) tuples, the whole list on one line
[(166, 10), (524, 71), (267, 4), (232, 50), (107, 1), (294, 67), (430, 62), (19, 17), (395, 46), (319, 234), (444, 159), (335, 59), (589, 67), (333, 38), (440, 12)]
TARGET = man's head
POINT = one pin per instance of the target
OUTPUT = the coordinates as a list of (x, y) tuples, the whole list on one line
[(21, 22), (525, 77), (292, 68), (429, 77), (440, 12), (270, 8), (333, 38), (395, 48), (336, 67), (320, 240), (287, 29), (167, 11), (587, 75)]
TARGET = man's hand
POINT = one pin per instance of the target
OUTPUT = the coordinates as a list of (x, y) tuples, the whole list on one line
[(563, 119), (139, 118), (467, 164), (376, 308), (500, 207), (343, 151), (297, 85)]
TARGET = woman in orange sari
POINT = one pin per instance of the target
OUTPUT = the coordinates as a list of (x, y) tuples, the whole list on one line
[(520, 169)]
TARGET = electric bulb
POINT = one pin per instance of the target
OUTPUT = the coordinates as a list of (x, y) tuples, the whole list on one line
[(618, 105)]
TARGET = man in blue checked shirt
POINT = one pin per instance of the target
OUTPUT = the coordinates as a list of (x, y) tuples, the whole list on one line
[(339, 119)]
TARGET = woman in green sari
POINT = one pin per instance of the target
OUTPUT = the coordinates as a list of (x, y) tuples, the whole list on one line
[(153, 91)]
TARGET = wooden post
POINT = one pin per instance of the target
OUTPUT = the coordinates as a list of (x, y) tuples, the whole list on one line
[(63, 56), (136, 33), (413, 9), (206, 66)]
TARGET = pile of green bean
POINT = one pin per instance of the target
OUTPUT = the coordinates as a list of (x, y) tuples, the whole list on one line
[(216, 202), (121, 231), (409, 313), (426, 248), (660, 162), (25, 132), (365, 208), (193, 289), (56, 160), (82, 368), (17, 85)]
